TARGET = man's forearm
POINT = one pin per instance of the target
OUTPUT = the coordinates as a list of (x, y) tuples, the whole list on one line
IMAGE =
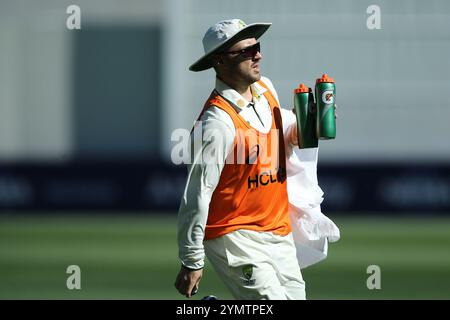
[(192, 218)]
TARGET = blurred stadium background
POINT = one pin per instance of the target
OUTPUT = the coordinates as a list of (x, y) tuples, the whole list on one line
[(86, 118)]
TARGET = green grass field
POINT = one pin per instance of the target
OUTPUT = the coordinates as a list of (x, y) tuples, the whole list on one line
[(135, 257)]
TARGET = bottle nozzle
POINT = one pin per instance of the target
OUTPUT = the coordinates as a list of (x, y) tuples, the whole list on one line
[(324, 78), (301, 89)]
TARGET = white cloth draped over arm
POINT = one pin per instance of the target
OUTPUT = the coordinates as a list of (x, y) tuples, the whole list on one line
[(310, 227)]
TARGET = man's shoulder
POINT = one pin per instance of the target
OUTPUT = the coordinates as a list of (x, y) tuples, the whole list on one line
[(217, 116)]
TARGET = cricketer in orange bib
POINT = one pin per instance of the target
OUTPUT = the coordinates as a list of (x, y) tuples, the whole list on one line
[(243, 210)]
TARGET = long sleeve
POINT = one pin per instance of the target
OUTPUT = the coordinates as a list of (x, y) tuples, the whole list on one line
[(211, 141)]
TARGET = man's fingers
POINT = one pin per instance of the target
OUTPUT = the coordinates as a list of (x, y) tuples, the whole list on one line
[(187, 281), (187, 287), (190, 290), (181, 284), (197, 284), (183, 288)]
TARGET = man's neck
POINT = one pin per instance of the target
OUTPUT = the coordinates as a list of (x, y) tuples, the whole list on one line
[(243, 89)]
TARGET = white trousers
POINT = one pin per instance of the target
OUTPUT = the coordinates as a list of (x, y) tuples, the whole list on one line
[(257, 265)]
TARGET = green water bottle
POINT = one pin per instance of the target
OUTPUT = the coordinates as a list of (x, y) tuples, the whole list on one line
[(306, 120), (325, 96)]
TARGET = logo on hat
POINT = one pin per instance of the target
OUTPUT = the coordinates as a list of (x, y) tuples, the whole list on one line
[(241, 24)]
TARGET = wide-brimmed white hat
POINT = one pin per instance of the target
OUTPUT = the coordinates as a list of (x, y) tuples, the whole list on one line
[(224, 34)]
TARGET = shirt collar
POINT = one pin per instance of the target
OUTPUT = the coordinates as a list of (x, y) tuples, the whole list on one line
[(234, 97)]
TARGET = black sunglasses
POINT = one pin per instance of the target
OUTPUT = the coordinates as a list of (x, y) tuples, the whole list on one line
[(248, 52)]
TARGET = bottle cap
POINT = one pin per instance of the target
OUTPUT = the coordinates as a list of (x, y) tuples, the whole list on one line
[(324, 78), (301, 89)]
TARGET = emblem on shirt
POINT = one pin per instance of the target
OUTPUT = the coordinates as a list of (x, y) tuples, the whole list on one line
[(247, 272), (240, 103)]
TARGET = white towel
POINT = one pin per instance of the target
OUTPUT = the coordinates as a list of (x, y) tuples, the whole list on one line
[(310, 227)]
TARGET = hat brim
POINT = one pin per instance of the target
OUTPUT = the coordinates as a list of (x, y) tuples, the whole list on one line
[(254, 30)]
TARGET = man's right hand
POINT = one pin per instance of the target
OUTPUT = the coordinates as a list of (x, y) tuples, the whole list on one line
[(187, 280)]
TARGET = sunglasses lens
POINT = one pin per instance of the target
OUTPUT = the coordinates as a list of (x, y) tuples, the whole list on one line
[(257, 48), (252, 51), (249, 52)]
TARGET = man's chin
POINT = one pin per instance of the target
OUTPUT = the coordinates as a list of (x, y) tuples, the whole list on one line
[(253, 77), (257, 76)]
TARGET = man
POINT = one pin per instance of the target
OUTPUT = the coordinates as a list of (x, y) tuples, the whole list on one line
[(236, 209)]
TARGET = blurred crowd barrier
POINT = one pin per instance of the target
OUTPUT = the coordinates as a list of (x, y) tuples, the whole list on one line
[(157, 187)]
